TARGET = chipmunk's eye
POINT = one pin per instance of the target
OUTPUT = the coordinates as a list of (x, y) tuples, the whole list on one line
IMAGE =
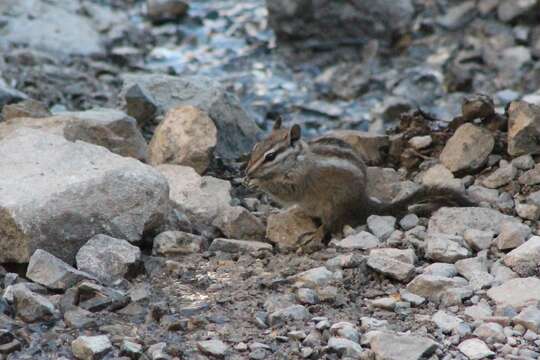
[(270, 156)]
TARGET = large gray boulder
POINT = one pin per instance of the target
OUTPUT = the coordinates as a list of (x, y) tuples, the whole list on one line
[(236, 131), (109, 128), (56, 194), (55, 26), (329, 20)]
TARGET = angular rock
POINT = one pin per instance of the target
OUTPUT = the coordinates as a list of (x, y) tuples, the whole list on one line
[(446, 322), (432, 286), (346, 261), (291, 313), (360, 241), (313, 278), (440, 176), (139, 104), (523, 128), (345, 347), (25, 109), (500, 177), (468, 149), (170, 243), (345, 330), (307, 296), (381, 226), (405, 255), (239, 246), (409, 221), (478, 239), (286, 228), (79, 319), (59, 194), (50, 271), (517, 293), (32, 307), (109, 259), (529, 318), (109, 128), (236, 132), (202, 199), (91, 347), (445, 248), (186, 136), (477, 107), (131, 349), (214, 347), (513, 234), (441, 269), (391, 267), (391, 346), (237, 222), (475, 349), (525, 259), (490, 332), (383, 183), (454, 221)]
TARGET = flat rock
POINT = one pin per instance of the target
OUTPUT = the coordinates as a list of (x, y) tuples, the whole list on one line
[(61, 193), (32, 307), (392, 346), (475, 349), (432, 286), (286, 228), (523, 128), (467, 149), (91, 347), (50, 271), (213, 347), (186, 136), (446, 248), (454, 221), (109, 259), (345, 347), (239, 246), (236, 131), (170, 243), (391, 267), (360, 241), (405, 255), (110, 128), (524, 259), (517, 293)]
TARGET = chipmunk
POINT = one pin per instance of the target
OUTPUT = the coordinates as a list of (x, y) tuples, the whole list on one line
[(327, 179)]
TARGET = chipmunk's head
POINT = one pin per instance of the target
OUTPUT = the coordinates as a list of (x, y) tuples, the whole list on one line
[(274, 157)]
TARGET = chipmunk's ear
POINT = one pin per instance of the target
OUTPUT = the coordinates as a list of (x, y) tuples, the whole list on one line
[(277, 123), (295, 133)]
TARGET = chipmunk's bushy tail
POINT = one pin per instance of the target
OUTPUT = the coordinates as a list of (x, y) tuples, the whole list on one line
[(425, 200)]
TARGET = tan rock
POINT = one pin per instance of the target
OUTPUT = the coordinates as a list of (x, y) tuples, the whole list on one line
[(26, 108), (286, 228), (237, 222), (467, 149), (523, 128), (187, 136)]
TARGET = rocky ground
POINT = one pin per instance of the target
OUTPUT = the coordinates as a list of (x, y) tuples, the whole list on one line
[(126, 232)]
